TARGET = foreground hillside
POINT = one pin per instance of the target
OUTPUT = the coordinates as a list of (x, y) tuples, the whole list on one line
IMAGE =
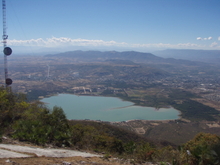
[(61, 161), (35, 124)]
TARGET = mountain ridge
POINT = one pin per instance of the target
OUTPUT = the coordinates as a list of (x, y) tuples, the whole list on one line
[(137, 57)]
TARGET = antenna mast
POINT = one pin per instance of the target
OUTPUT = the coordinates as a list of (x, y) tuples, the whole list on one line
[(7, 50)]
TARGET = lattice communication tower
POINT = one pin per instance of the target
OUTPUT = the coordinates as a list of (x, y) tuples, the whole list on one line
[(7, 50)]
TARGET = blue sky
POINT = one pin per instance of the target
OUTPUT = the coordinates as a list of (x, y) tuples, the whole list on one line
[(140, 25)]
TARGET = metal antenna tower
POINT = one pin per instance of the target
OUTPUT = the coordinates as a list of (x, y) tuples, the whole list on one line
[(7, 50)]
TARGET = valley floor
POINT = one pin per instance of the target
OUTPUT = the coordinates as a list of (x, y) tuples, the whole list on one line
[(176, 132)]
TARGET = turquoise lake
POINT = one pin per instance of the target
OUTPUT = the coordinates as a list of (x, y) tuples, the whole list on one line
[(107, 109)]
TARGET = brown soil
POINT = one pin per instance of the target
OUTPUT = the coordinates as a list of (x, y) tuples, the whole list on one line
[(212, 104), (58, 161)]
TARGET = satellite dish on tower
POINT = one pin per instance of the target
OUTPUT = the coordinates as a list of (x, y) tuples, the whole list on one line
[(8, 81), (7, 51)]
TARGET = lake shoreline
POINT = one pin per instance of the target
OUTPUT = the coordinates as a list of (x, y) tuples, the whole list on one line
[(138, 109)]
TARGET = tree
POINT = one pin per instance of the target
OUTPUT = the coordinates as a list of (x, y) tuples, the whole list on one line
[(203, 149), (12, 106)]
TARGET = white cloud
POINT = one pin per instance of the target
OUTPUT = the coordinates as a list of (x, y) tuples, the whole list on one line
[(200, 38), (55, 42), (62, 41), (219, 38), (165, 46)]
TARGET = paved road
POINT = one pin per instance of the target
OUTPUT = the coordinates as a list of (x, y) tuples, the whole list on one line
[(47, 152)]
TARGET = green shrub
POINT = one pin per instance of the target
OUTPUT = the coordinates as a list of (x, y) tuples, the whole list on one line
[(83, 136), (40, 126), (145, 152), (11, 106), (166, 154), (203, 149), (88, 137), (130, 147)]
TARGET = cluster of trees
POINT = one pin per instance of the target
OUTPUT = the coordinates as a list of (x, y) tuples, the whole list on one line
[(35, 123)]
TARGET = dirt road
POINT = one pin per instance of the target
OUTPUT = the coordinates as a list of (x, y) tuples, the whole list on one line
[(15, 151)]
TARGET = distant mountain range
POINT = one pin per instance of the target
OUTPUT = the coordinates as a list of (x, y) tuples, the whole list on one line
[(210, 56), (137, 57), (207, 56), (102, 56)]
